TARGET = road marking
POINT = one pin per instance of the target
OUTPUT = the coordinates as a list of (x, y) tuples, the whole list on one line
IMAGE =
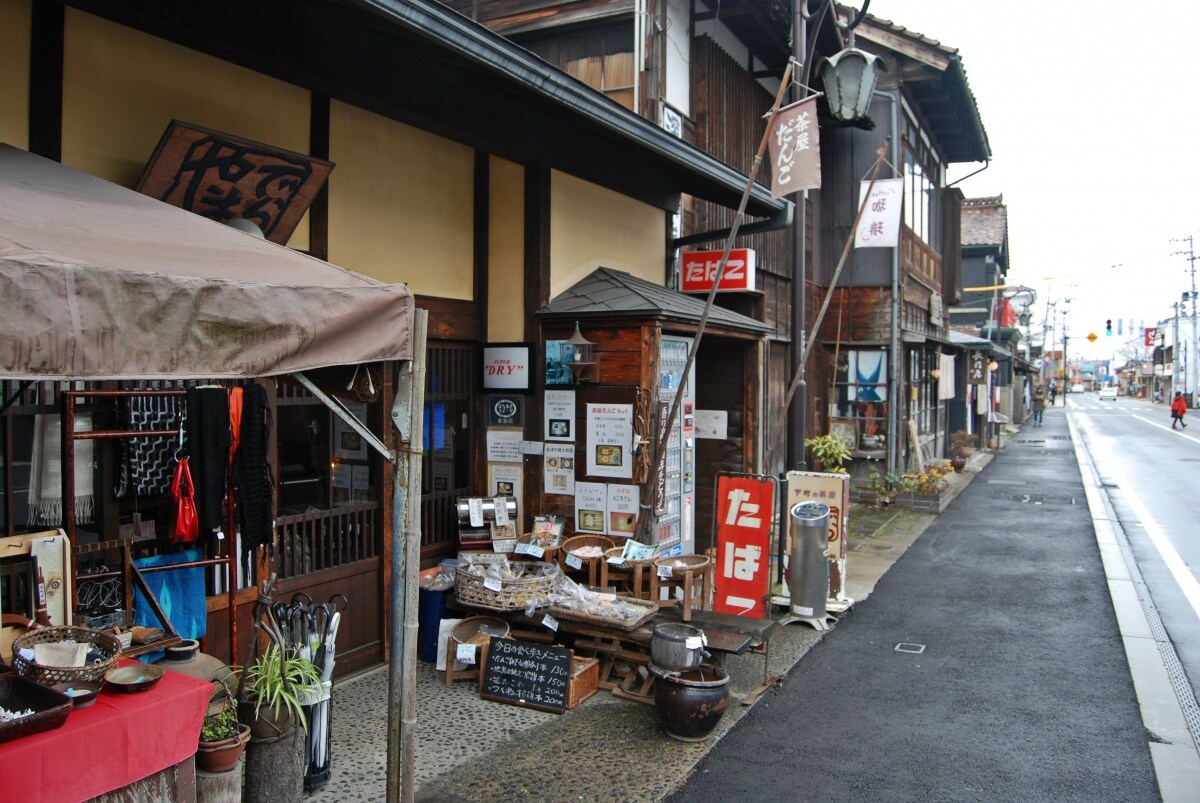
[(1180, 432), (1174, 563)]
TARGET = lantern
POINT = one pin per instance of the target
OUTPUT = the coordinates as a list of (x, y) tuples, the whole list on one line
[(850, 77)]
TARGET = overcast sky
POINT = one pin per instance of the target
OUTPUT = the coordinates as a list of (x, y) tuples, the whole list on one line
[(1090, 109)]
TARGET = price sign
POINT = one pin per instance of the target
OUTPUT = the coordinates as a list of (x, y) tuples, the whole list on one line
[(526, 674)]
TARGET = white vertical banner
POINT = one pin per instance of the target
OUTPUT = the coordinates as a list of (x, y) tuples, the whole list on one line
[(879, 226), (795, 148)]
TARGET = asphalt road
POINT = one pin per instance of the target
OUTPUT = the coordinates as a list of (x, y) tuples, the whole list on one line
[(1022, 690)]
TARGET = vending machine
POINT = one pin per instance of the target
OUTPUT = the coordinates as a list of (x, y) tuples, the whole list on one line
[(675, 494)]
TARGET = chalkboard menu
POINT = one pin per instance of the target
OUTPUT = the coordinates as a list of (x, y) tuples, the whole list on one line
[(526, 674)]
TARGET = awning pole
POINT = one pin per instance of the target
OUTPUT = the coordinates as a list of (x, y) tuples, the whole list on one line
[(339, 409), (408, 418)]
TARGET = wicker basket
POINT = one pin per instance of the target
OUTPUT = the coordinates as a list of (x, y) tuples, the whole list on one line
[(694, 563), (584, 680), (627, 625), (578, 541), (513, 594), (49, 675)]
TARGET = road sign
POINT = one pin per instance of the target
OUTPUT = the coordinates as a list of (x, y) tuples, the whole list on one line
[(1092, 337)]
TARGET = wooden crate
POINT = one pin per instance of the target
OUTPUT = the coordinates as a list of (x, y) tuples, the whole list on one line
[(584, 682)]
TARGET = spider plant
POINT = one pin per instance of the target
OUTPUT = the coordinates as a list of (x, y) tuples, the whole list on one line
[(278, 679)]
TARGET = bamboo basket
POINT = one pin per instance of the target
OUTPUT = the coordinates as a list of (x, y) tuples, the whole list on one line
[(104, 643), (607, 621), (513, 594), (575, 542)]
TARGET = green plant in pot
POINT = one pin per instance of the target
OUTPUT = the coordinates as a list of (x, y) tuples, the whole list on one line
[(275, 689), (223, 737), (830, 451)]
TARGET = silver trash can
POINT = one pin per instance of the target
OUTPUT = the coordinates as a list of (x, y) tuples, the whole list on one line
[(808, 568)]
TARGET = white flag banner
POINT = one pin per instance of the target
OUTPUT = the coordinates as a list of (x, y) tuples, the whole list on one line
[(795, 149), (879, 226)]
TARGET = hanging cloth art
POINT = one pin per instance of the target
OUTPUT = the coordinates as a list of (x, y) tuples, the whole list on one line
[(46, 479), (252, 480), (187, 520), (147, 463)]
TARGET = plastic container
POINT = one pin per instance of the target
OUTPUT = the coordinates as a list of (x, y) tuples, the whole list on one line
[(431, 610)]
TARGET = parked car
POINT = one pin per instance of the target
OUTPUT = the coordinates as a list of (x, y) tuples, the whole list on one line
[(1108, 393)]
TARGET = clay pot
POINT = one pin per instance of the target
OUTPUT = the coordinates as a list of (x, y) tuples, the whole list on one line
[(691, 703), (266, 726), (223, 755)]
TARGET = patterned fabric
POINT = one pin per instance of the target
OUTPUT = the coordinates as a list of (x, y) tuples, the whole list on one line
[(147, 463)]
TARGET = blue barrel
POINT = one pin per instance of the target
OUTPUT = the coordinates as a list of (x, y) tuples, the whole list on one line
[(431, 610)]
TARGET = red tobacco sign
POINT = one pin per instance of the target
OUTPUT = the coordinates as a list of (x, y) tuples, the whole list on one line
[(743, 571)]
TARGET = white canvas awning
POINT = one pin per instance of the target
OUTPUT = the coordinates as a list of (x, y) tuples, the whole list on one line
[(100, 282)]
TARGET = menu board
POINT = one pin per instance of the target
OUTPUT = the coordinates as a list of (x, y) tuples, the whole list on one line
[(526, 674)]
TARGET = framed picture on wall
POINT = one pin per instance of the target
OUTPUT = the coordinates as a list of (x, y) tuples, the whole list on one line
[(846, 430)]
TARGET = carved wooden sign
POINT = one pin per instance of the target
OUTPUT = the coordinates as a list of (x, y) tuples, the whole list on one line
[(221, 176)]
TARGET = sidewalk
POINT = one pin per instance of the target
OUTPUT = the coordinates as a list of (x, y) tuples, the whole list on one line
[(605, 750), (987, 665)]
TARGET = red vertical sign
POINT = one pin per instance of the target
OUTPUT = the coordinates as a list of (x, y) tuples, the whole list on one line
[(745, 506)]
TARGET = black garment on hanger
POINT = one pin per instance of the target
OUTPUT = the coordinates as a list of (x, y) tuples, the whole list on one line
[(253, 482), (208, 444)]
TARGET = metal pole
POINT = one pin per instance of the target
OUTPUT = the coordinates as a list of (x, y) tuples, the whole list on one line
[(407, 417)]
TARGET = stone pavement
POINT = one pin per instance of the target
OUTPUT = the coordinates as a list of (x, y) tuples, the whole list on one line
[(607, 749)]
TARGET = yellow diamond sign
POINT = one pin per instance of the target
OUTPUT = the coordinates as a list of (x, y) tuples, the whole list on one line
[(1092, 337)]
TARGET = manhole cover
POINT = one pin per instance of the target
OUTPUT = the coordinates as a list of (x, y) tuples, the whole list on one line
[(909, 647)]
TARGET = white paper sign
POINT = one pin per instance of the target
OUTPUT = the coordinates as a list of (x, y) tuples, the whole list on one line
[(610, 440), (558, 461), (550, 622), (712, 424), (493, 584), (574, 561), (623, 509), (591, 499), (503, 446), (475, 510), (560, 415), (879, 226), (500, 505), (465, 654), (504, 545)]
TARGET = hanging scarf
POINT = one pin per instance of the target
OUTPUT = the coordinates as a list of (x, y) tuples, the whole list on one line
[(46, 480)]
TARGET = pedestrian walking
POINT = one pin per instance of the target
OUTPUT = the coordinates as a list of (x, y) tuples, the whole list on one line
[(1178, 408), (1053, 392), (1039, 404)]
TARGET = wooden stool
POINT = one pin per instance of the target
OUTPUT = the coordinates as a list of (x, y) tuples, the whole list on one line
[(468, 632), (632, 576), (588, 568), (695, 580)]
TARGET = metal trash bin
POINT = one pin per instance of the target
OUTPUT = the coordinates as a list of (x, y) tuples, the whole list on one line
[(808, 567)]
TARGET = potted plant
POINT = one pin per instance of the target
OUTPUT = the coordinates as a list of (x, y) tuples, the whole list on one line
[(878, 488), (275, 688), (925, 489), (830, 451), (223, 737)]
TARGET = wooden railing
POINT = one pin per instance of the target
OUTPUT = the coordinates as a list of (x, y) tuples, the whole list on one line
[(326, 539)]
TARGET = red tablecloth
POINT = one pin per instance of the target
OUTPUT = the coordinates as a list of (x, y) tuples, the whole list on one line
[(119, 739)]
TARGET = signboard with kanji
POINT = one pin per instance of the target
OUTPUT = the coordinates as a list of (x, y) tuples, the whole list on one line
[(834, 491), (976, 368), (745, 507)]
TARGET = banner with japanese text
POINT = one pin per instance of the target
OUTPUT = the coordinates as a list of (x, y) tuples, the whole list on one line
[(879, 226), (795, 149), (745, 507)]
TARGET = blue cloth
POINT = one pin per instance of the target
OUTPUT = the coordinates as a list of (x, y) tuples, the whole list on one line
[(180, 593)]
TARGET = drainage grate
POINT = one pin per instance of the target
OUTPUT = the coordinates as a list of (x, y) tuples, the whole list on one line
[(914, 649)]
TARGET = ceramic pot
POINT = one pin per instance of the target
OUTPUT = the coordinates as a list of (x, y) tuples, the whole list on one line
[(223, 755), (691, 703), (265, 726)]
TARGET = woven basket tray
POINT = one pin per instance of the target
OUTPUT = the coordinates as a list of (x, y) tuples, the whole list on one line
[(513, 594), (604, 621), (575, 542), (49, 675)]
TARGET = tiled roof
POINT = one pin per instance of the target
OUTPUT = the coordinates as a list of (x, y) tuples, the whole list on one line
[(608, 293), (984, 221)]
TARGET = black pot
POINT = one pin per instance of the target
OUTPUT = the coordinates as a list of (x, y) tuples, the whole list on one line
[(691, 703)]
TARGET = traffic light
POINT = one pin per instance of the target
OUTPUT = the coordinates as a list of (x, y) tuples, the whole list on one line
[(1108, 327)]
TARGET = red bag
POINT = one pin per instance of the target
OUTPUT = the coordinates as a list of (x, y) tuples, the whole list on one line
[(187, 520)]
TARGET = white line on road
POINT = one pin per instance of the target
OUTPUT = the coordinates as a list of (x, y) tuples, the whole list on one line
[(1180, 432), (1179, 570)]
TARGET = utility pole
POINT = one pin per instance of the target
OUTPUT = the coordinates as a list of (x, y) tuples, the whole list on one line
[(1191, 380)]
